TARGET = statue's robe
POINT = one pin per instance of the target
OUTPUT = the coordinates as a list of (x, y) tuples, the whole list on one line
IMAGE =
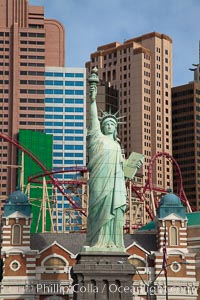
[(107, 191)]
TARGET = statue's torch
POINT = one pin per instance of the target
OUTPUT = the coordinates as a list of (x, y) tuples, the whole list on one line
[(93, 80)]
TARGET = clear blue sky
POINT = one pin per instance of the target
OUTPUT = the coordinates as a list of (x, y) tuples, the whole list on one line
[(91, 23)]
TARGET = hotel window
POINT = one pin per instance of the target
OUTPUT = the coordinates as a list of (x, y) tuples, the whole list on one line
[(69, 83), (69, 75), (69, 92), (78, 83), (58, 82), (79, 92)]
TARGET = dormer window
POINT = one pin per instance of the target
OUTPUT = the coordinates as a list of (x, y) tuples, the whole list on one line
[(16, 234), (55, 264)]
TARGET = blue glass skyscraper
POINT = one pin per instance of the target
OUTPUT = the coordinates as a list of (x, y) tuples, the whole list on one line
[(65, 119)]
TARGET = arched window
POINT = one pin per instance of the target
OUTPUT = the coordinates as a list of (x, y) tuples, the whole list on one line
[(16, 234), (54, 265), (54, 262), (137, 262), (173, 236)]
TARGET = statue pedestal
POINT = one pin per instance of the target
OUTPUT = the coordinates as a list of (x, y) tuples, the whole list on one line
[(103, 276)]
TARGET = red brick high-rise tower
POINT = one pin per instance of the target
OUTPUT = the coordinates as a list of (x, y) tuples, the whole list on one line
[(28, 43)]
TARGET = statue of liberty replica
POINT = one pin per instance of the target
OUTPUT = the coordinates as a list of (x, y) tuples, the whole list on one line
[(103, 260), (107, 190)]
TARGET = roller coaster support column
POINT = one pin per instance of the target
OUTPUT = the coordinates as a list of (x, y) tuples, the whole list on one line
[(22, 174)]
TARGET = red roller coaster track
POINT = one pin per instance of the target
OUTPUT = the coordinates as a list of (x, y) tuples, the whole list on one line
[(180, 189), (139, 191), (36, 178), (55, 182)]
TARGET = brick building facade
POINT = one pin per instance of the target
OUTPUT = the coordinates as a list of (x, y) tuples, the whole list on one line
[(38, 266)]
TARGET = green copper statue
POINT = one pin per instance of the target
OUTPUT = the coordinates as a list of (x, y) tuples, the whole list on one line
[(107, 190)]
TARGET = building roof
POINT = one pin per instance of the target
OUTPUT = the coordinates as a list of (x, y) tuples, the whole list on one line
[(169, 204), (170, 199), (193, 220), (149, 226), (74, 241), (70, 241), (17, 202)]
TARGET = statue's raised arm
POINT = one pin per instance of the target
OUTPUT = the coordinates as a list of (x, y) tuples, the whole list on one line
[(93, 80)]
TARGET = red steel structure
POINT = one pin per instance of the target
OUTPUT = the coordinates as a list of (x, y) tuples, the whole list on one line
[(140, 192)]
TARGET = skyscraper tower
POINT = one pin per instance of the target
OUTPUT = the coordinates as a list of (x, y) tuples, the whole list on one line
[(186, 137), (28, 43), (186, 134), (65, 114), (141, 70)]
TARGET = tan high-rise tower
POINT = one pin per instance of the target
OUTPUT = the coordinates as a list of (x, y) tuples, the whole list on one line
[(28, 43), (141, 70)]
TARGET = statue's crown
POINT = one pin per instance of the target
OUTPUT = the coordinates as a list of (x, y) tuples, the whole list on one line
[(106, 115)]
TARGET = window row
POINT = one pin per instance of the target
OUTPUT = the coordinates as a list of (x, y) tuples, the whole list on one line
[(66, 109), (67, 162), (31, 116), (32, 42), (61, 124), (4, 72), (66, 92), (67, 117), (31, 123), (32, 108), (67, 138), (34, 82), (32, 73), (59, 74), (61, 100), (66, 83), (24, 100), (71, 154), (32, 49), (24, 91), (4, 49), (31, 57), (24, 64), (32, 34), (4, 33), (66, 147), (70, 124)]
